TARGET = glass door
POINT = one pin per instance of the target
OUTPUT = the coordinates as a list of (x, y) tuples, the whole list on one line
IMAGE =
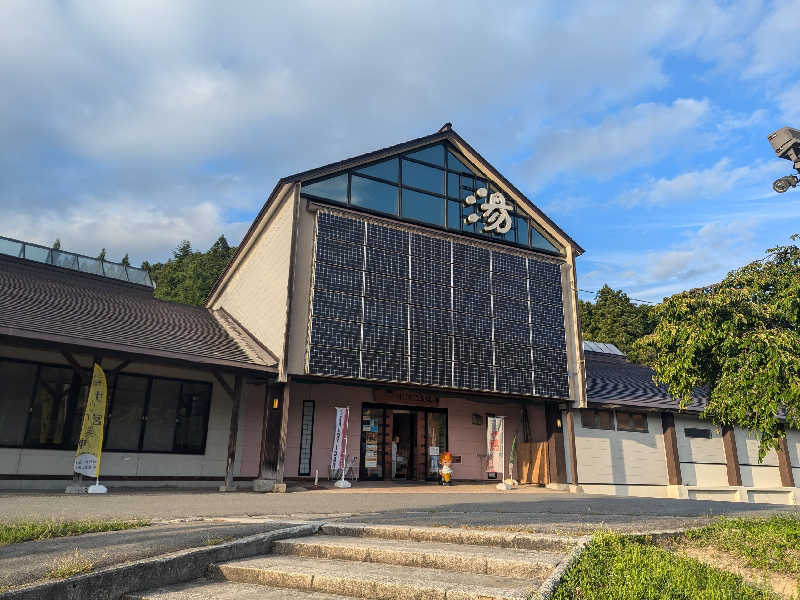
[(436, 441), (372, 443)]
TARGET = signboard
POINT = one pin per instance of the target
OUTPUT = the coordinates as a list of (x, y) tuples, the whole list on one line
[(495, 444), (90, 443), (339, 450)]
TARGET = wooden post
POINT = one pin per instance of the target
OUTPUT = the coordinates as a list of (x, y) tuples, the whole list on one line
[(236, 400), (273, 444), (671, 449), (731, 456), (557, 471), (785, 464), (573, 453)]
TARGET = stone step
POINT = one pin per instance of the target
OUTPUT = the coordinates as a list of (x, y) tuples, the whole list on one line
[(226, 590), (372, 580), (481, 560), (453, 535)]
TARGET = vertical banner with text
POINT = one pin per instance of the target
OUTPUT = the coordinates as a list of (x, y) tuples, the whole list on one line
[(90, 444), (340, 438), (495, 444)]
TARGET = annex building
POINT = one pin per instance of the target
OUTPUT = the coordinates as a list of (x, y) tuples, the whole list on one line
[(414, 285)]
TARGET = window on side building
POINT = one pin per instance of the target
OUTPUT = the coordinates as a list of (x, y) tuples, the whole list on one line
[(17, 381), (597, 418), (631, 421)]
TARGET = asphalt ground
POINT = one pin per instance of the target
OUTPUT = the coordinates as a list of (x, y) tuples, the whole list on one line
[(420, 505)]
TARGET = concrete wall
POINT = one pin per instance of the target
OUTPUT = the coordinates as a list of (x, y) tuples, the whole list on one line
[(702, 460), (256, 290), (211, 464), (464, 438), (621, 458), (793, 444)]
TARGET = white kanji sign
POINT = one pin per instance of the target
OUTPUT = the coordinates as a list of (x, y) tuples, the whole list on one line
[(495, 211)]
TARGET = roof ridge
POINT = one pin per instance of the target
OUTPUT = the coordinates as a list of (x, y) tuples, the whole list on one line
[(254, 348)]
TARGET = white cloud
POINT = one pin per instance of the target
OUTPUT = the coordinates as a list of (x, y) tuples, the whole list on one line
[(617, 143), (702, 184), (789, 105), (769, 41)]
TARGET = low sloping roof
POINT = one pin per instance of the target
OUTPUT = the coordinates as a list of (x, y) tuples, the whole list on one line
[(612, 380), (40, 302)]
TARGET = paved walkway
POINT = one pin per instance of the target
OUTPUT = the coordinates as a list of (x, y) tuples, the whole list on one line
[(481, 505)]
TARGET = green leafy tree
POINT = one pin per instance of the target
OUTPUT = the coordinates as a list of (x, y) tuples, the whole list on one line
[(57, 244), (614, 319), (189, 275), (741, 339), (126, 260), (102, 255)]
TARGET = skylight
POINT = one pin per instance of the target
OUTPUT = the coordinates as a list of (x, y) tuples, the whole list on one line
[(75, 262)]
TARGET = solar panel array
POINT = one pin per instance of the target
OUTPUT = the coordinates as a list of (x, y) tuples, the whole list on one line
[(391, 304)]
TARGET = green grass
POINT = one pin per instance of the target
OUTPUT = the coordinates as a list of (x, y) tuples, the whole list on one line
[(12, 532), (772, 543), (616, 568)]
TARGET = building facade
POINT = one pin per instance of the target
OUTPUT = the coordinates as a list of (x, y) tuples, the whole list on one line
[(415, 286)]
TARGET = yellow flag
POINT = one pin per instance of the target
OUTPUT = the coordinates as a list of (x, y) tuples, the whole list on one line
[(90, 444)]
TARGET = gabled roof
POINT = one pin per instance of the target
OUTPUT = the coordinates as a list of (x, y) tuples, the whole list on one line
[(612, 380), (47, 304), (446, 133)]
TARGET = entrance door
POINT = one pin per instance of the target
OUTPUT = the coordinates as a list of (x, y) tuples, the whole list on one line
[(404, 435), (372, 443), (436, 440)]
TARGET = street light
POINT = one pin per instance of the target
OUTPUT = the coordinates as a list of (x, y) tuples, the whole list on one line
[(786, 143)]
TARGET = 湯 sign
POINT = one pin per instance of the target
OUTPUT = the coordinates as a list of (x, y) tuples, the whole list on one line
[(494, 211)]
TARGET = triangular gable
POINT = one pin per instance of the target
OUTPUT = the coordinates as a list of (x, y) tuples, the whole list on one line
[(435, 184)]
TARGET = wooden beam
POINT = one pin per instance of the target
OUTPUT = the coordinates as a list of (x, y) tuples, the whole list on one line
[(731, 456), (76, 366), (123, 365), (557, 466), (271, 434), (225, 386), (671, 449), (573, 453), (785, 463), (236, 397)]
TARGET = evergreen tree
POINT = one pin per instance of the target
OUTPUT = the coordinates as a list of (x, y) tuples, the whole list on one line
[(57, 244), (189, 275), (102, 255), (614, 319), (126, 261)]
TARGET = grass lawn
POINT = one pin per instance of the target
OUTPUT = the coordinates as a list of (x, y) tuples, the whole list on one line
[(12, 532), (613, 567)]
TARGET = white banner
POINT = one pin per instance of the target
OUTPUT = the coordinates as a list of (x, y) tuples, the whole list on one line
[(339, 449), (495, 444)]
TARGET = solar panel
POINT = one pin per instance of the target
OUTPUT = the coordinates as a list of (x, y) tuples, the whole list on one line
[(397, 305)]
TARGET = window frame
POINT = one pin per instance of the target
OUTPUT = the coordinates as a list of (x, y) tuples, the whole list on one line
[(445, 196), (632, 428), (707, 434), (73, 401), (585, 411), (310, 438)]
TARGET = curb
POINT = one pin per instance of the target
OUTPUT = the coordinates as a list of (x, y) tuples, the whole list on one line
[(550, 584), (178, 567)]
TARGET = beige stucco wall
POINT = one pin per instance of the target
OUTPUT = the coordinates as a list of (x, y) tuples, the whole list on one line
[(211, 464), (256, 290), (621, 457), (301, 286), (702, 460), (755, 474)]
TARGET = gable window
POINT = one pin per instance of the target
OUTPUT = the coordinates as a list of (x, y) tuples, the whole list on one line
[(597, 419), (429, 185), (631, 421)]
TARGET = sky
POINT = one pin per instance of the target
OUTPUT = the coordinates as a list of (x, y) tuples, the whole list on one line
[(640, 130)]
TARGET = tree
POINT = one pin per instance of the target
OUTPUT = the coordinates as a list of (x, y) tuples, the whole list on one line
[(126, 260), (102, 255), (741, 339), (614, 319), (189, 276), (57, 244)]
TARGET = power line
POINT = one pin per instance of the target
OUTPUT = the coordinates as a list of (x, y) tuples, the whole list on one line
[(634, 299)]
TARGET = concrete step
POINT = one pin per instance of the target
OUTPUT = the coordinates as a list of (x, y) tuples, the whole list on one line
[(453, 535), (372, 580), (225, 590), (481, 560)]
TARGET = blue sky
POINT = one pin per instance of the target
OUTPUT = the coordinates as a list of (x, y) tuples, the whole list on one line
[(640, 130)]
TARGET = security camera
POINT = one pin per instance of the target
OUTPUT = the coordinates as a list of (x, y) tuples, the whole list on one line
[(782, 184), (786, 143)]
